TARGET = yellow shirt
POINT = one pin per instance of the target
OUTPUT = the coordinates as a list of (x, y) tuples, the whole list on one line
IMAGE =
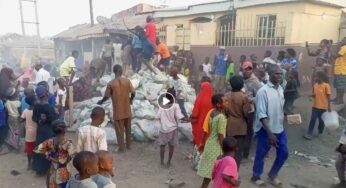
[(67, 67), (321, 92), (340, 63)]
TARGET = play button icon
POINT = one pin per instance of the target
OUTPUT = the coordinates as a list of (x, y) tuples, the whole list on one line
[(166, 100)]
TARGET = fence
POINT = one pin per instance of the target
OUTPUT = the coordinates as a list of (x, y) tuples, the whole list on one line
[(161, 33), (264, 33)]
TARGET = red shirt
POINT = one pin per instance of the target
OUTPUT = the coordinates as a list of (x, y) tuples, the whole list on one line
[(151, 32)]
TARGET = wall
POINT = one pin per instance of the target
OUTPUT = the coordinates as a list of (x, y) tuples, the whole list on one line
[(301, 20)]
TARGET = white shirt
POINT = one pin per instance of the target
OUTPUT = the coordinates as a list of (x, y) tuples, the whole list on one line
[(61, 94), (169, 118), (12, 108), (91, 138), (42, 75), (207, 69)]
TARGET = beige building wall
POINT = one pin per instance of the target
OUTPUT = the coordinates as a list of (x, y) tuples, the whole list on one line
[(203, 33), (300, 20)]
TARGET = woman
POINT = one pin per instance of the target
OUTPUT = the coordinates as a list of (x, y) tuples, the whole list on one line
[(201, 108)]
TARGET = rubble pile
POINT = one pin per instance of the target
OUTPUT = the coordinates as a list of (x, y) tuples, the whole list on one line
[(145, 124)]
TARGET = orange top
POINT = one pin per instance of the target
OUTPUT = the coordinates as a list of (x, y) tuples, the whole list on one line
[(162, 49), (321, 92)]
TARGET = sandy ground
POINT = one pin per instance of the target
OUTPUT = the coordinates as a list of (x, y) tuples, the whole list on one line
[(140, 167)]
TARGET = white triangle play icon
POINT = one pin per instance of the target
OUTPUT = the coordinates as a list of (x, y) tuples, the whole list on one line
[(165, 101)]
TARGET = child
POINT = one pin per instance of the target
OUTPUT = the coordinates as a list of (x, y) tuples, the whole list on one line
[(86, 163), (212, 148), (238, 108), (58, 150), (30, 129), (12, 106), (321, 93), (225, 174), (27, 92), (104, 177), (92, 137), (43, 115), (177, 85), (61, 96), (321, 67), (341, 160), (169, 126), (230, 69), (290, 93), (185, 70), (207, 66)]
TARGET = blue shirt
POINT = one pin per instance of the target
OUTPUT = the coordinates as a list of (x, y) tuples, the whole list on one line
[(221, 65), (51, 99), (291, 61), (23, 104), (136, 43), (271, 109), (2, 114), (148, 49)]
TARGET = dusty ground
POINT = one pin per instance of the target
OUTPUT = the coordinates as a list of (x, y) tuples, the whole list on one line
[(140, 167)]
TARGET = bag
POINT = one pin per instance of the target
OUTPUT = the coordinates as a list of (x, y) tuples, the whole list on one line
[(331, 120)]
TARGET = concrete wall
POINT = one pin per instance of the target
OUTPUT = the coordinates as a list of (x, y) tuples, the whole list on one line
[(301, 20)]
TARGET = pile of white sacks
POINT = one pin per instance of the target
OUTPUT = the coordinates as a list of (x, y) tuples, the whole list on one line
[(145, 124)]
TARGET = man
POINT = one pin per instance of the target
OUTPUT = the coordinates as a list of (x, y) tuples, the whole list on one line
[(220, 63), (108, 54), (340, 73), (119, 89), (147, 50), (163, 51), (68, 67), (41, 74), (251, 87), (269, 128), (137, 49), (150, 30)]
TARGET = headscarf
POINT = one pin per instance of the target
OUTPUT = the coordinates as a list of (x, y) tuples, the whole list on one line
[(201, 108), (6, 80)]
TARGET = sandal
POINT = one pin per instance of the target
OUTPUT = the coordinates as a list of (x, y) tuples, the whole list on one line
[(275, 182), (258, 182)]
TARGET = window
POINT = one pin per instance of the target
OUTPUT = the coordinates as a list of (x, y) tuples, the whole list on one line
[(180, 26), (266, 26)]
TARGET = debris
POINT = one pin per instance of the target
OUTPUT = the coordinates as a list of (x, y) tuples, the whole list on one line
[(174, 183)]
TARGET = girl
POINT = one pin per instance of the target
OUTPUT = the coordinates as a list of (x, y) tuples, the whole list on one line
[(30, 129), (58, 150), (61, 96), (225, 174), (43, 115), (202, 106), (212, 148)]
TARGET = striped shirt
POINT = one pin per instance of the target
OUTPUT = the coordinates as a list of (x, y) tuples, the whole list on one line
[(91, 138)]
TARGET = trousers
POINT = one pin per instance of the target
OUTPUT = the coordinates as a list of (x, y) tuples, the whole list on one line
[(123, 127), (263, 147), (316, 114), (340, 167)]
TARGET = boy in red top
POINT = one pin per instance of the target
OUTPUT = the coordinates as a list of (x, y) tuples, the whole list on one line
[(150, 30)]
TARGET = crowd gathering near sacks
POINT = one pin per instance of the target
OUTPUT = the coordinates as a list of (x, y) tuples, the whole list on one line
[(232, 106)]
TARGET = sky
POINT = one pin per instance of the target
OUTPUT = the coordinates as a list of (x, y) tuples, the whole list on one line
[(58, 15)]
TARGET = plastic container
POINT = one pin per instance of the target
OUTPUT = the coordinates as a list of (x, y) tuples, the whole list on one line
[(331, 120)]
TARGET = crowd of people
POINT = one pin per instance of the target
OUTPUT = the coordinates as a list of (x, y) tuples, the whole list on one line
[(232, 106)]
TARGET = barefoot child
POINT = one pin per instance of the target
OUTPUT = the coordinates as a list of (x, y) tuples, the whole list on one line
[(30, 128), (225, 172), (104, 178), (177, 84), (212, 148), (58, 150), (86, 163), (92, 137), (321, 93), (61, 96), (169, 126)]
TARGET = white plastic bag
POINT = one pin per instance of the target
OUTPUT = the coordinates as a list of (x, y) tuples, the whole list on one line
[(331, 120), (151, 129), (110, 134)]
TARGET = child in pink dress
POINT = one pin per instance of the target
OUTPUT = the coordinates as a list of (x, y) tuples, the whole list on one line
[(225, 172)]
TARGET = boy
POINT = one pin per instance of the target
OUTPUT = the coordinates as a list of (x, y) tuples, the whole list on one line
[(341, 160), (92, 137), (27, 92), (207, 66), (86, 163), (177, 85), (321, 93), (290, 93), (104, 178), (169, 126)]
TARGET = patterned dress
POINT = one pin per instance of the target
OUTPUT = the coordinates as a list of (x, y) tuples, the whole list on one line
[(212, 147), (58, 173)]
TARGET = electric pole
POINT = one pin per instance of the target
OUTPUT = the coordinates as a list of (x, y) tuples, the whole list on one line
[(91, 12)]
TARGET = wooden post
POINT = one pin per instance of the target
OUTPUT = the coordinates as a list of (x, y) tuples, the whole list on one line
[(70, 102)]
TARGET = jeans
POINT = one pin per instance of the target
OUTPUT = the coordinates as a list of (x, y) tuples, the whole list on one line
[(249, 136), (316, 113), (263, 147), (340, 167), (182, 106)]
